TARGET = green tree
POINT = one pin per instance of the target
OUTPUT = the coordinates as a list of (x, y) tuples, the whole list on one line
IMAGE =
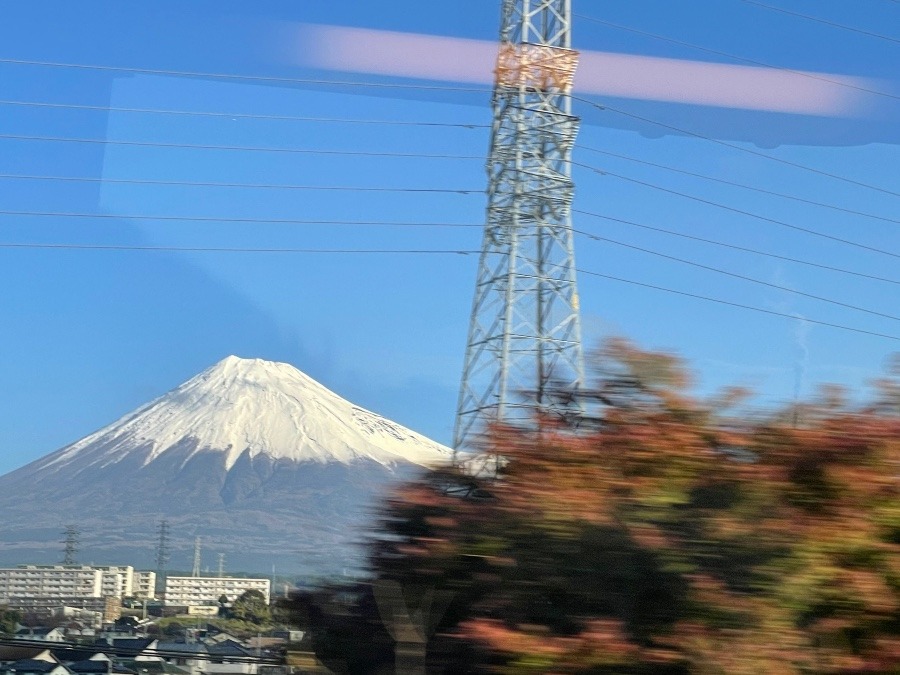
[(9, 620), (251, 606)]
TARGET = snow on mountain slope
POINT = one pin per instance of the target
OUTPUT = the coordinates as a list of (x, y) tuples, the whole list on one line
[(250, 407)]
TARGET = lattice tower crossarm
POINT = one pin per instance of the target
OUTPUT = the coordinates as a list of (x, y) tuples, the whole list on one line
[(525, 331)]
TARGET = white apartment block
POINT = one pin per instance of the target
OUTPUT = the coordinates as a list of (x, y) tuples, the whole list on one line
[(50, 581), (188, 591), (75, 581), (118, 582), (144, 585)]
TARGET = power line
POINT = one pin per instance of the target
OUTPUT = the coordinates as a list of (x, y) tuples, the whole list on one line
[(396, 85), (736, 304), (733, 209), (737, 276), (764, 64), (390, 154), (726, 144), (227, 249), (412, 155), (241, 148), (376, 189), (429, 156), (817, 19), (217, 219), (744, 186), (268, 186), (394, 223), (736, 247), (235, 76), (411, 252), (235, 115)]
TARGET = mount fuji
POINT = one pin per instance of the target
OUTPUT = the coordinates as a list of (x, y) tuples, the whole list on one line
[(260, 461)]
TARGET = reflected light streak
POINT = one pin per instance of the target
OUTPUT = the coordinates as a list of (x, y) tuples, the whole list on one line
[(631, 76)]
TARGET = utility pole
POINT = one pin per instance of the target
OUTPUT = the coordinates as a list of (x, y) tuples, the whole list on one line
[(525, 331), (72, 538)]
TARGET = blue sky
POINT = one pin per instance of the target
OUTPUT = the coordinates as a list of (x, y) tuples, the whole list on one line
[(87, 335)]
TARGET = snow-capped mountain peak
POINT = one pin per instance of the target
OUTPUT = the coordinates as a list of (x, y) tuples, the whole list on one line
[(250, 407)]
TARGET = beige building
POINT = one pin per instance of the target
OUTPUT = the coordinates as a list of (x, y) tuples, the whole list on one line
[(188, 591)]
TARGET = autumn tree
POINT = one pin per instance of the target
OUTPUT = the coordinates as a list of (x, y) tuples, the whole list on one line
[(653, 533)]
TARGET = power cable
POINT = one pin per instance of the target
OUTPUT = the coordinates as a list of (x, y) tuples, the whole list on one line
[(363, 153), (236, 249), (741, 185), (217, 219), (393, 223), (736, 304), (235, 76), (240, 148), (268, 186), (587, 234), (233, 115), (733, 209), (396, 85), (817, 19), (427, 87), (737, 276), (423, 190), (726, 144), (414, 252), (736, 247), (709, 50)]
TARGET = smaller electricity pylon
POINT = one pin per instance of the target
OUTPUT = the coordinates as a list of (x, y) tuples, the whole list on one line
[(195, 570), (524, 340), (72, 538), (162, 553)]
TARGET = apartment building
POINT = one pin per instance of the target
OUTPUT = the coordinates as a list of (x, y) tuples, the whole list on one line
[(118, 581), (50, 581), (189, 591), (82, 581), (144, 585)]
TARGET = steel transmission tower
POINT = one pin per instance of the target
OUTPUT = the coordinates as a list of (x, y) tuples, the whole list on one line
[(162, 548), (71, 541), (525, 331), (195, 570)]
